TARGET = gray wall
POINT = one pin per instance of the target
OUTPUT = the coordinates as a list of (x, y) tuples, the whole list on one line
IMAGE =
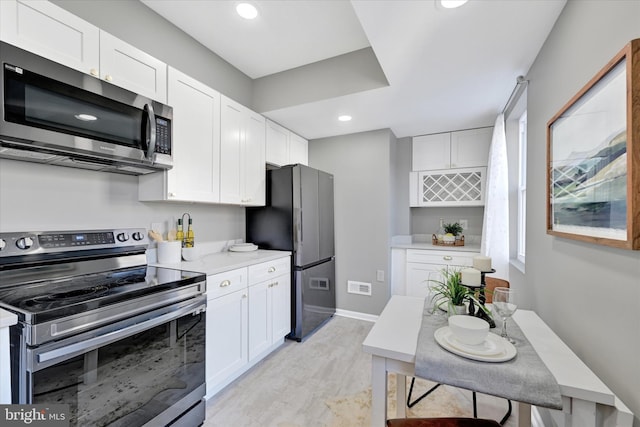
[(587, 293), (37, 197), (361, 165), (141, 27)]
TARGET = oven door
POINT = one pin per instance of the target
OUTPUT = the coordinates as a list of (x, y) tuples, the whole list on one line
[(149, 373)]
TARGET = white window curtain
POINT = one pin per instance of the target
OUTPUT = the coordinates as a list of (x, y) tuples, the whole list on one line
[(495, 227)]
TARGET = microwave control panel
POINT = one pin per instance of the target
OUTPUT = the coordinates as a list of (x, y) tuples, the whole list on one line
[(163, 136)]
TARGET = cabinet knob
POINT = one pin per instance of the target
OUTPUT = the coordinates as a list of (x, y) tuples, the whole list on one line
[(93, 72), (447, 258), (225, 283), (271, 269), (108, 77)]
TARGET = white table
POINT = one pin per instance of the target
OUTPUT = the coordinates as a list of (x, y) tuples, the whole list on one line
[(392, 342)]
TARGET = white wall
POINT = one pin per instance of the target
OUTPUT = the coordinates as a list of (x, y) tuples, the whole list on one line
[(361, 165), (588, 294)]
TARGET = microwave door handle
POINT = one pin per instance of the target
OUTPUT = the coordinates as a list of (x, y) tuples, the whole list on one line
[(151, 131)]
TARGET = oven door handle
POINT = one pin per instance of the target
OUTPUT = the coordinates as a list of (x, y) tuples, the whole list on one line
[(102, 340)]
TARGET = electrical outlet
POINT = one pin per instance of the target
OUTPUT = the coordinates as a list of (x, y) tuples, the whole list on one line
[(464, 223), (380, 275)]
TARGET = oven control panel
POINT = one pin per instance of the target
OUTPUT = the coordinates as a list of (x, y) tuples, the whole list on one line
[(17, 244)]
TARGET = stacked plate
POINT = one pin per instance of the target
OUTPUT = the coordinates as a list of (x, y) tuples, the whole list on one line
[(493, 349), (243, 247)]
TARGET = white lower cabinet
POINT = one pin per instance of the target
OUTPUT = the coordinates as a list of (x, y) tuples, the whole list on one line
[(248, 316), (425, 265)]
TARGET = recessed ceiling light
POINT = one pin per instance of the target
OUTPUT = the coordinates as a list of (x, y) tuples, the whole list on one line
[(247, 11), (344, 118), (452, 4)]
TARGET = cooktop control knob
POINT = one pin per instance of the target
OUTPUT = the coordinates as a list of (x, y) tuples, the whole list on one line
[(24, 243), (122, 237), (137, 236), (2, 244)]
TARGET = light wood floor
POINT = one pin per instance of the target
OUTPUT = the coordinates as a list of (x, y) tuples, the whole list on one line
[(292, 385)]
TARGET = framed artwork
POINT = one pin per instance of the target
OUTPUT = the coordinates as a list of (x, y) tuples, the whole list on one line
[(593, 155)]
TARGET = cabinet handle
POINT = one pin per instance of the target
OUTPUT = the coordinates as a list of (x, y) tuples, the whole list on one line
[(93, 72), (244, 295), (271, 269), (447, 258), (225, 283), (108, 77)]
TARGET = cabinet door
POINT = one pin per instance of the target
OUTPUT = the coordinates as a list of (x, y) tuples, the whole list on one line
[(277, 144), (231, 129), (196, 135), (130, 68), (253, 159), (242, 155), (281, 307), (470, 148), (431, 152), (260, 319), (298, 150), (418, 276), (51, 32), (227, 338)]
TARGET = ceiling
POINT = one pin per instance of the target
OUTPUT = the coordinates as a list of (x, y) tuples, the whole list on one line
[(446, 69)]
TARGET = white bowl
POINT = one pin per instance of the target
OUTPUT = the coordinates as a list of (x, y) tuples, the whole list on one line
[(190, 254), (468, 329)]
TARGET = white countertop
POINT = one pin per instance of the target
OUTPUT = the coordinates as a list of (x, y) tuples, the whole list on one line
[(468, 247), (219, 262)]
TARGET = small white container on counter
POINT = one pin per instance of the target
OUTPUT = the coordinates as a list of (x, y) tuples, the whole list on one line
[(169, 252)]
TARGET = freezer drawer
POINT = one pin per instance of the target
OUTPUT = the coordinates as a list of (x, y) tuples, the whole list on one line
[(313, 298)]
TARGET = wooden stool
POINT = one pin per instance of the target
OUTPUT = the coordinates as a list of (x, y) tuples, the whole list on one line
[(442, 422)]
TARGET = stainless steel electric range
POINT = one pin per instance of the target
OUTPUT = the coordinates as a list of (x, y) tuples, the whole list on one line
[(120, 342)]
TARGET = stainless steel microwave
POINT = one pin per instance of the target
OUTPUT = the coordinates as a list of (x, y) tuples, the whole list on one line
[(53, 114)]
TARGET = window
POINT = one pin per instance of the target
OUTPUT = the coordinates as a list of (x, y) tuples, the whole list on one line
[(522, 187)]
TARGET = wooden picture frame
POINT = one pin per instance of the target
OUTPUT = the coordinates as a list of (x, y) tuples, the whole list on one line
[(593, 158)]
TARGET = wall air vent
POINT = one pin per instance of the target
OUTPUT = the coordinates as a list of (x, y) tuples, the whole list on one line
[(360, 288)]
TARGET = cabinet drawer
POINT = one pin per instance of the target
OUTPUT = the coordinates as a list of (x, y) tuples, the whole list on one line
[(269, 269), (445, 258), (224, 283)]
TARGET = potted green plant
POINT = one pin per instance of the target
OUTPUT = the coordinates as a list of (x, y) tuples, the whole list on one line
[(452, 231), (449, 290)]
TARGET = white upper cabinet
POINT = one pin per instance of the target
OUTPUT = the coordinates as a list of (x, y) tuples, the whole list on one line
[(242, 155), (56, 34), (470, 148), (285, 147), (51, 32), (431, 152), (451, 150), (298, 150), (277, 144), (196, 145), (130, 68)]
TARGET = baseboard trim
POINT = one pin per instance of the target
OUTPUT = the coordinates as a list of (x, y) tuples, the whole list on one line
[(356, 315)]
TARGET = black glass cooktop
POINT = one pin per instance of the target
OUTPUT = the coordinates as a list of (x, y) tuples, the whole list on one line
[(53, 299)]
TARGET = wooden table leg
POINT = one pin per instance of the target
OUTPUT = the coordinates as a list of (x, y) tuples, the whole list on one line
[(378, 391), (524, 414), (401, 396)]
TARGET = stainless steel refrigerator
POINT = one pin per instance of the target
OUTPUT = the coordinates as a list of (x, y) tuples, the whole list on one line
[(298, 217)]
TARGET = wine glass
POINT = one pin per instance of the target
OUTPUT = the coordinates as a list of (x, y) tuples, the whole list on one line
[(503, 301)]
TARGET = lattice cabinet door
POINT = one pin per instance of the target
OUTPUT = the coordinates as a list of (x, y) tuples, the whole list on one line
[(450, 187)]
